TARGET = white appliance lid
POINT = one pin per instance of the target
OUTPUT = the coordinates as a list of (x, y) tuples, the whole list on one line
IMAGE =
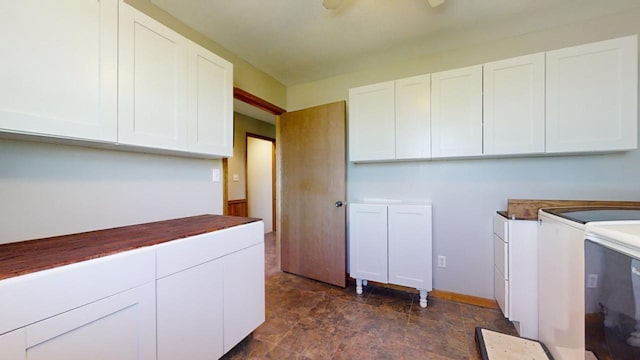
[(586, 215), (622, 236)]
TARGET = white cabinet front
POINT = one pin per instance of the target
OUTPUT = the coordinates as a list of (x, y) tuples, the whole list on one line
[(456, 118), (119, 327), (592, 94), (413, 118), (152, 107), (190, 313), (371, 122), (368, 242), (244, 306), (210, 120), (59, 68), (514, 105), (410, 246)]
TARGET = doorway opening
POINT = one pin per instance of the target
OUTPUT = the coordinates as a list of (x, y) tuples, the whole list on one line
[(261, 172)]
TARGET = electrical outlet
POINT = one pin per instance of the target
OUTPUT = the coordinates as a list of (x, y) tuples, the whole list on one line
[(442, 261), (592, 281)]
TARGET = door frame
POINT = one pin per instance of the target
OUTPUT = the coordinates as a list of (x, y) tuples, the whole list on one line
[(260, 103), (273, 174)]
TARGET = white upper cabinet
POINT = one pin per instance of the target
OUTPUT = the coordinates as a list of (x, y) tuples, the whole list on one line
[(372, 122), (413, 118), (592, 93), (152, 83), (59, 68), (210, 119), (390, 120), (514, 119), (456, 118)]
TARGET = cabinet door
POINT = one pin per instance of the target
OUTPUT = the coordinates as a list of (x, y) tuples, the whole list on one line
[(59, 68), (244, 297), (514, 105), (189, 307), (210, 120), (592, 94), (456, 119), (410, 254), (413, 118), (152, 109), (368, 242), (372, 122), (119, 327)]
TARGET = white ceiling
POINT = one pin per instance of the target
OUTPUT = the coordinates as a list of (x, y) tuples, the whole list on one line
[(297, 41)]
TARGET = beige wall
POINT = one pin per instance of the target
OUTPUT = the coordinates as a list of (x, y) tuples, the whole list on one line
[(336, 88), (466, 193), (237, 163), (245, 76)]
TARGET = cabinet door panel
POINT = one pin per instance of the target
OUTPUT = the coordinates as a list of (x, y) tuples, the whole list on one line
[(456, 100), (514, 105), (372, 122), (413, 118), (210, 124), (368, 242), (119, 327), (190, 313), (501, 291), (244, 296), (592, 94), (410, 246), (59, 68), (152, 83)]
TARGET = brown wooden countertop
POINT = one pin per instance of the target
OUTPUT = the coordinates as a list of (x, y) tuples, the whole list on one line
[(35, 255)]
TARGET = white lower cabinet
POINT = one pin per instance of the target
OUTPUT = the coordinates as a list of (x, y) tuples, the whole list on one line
[(244, 294), (193, 298), (391, 244), (190, 313), (121, 326), (515, 249)]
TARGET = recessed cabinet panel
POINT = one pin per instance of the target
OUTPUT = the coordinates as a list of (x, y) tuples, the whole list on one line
[(456, 117), (210, 122), (413, 118), (190, 313), (592, 93), (59, 68), (410, 246), (514, 105), (368, 241), (119, 327), (153, 83), (372, 122), (244, 307)]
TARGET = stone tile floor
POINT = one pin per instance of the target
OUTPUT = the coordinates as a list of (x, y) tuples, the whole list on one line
[(307, 319)]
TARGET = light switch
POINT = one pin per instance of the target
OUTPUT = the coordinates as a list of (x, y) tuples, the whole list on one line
[(236, 177), (215, 175)]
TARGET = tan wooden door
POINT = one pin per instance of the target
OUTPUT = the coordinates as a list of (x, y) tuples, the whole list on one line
[(313, 186)]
